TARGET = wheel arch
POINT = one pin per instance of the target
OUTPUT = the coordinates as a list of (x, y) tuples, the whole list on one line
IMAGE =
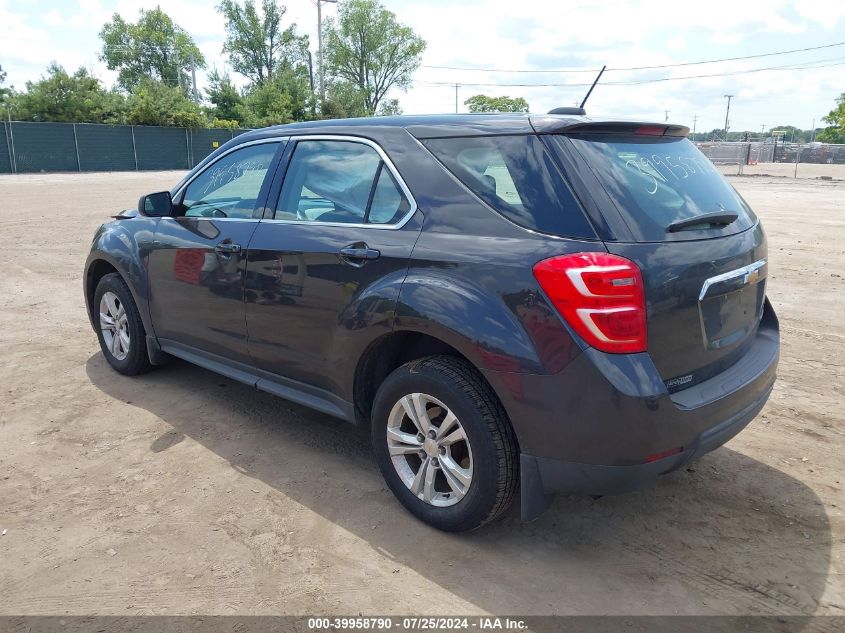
[(394, 349)]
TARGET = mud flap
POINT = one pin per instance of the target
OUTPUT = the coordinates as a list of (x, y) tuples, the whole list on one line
[(533, 499)]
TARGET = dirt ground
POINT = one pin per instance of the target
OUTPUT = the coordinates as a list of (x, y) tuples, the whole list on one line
[(181, 492)]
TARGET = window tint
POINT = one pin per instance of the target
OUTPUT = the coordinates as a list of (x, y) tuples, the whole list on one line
[(657, 181), (229, 188), (516, 176), (339, 181)]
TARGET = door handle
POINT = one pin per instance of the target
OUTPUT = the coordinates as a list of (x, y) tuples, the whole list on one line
[(227, 247), (359, 253)]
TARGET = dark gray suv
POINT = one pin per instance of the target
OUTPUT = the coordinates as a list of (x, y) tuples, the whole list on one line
[(543, 303)]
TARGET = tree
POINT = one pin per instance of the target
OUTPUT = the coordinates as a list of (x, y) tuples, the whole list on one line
[(369, 48), (256, 44), (836, 119), (60, 97), (3, 91), (286, 99), (343, 100), (483, 103), (266, 104), (389, 107), (153, 48), (156, 103), (792, 134), (225, 98)]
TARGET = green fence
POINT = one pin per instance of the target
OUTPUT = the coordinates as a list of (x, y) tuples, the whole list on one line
[(49, 147)]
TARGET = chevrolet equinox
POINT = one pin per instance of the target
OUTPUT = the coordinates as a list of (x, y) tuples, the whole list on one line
[(543, 303)]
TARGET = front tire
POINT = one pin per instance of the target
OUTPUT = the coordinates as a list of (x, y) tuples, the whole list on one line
[(120, 330), (444, 443)]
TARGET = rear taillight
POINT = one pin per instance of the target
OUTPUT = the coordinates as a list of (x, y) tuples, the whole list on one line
[(601, 296)]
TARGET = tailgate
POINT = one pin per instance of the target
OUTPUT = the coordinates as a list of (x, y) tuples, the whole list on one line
[(704, 301)]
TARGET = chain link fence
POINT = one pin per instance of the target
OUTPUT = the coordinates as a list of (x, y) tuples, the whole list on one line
[(758, 158), (27, 147)]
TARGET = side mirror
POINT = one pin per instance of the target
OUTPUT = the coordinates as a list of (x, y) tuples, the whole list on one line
[(156, 204)]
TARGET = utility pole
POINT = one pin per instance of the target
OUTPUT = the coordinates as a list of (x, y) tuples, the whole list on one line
[(727, 112), (813, 133), (666, 116), (762, 131), (456, 98), (694, 121), (320, 47), (194, 79)]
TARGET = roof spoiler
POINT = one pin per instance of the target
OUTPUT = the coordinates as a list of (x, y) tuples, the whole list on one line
[(570, 110), (552, 125)]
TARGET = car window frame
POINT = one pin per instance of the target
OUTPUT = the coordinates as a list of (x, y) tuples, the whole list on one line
[(261, 200), (289, 152)]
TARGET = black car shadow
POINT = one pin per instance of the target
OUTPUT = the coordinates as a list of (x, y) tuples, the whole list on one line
[(730, 535)]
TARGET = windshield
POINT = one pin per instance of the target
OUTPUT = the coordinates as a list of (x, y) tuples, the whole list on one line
[(657, 182)]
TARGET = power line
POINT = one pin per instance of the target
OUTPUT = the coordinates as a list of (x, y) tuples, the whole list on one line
[(839, 61), (590, 70)]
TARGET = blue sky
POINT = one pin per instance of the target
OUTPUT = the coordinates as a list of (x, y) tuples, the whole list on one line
[(541, 36)]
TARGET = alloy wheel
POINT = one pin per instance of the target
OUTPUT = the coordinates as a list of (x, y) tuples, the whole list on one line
[(429, 449), (114, 322)]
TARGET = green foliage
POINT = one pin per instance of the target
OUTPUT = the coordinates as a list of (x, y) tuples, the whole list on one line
[(791, 134), (295, 84), (153, 48), (389, 107), (836, 119), (265, 105), (286, 99), (3, 91), (257, 45), (831, 134), (225, 124), (367, 47), (156, 103), (483, 103), (343, 100), (225, 98), (64, 98)]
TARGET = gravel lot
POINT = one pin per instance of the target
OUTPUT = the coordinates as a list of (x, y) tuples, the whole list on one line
[(182, 492)]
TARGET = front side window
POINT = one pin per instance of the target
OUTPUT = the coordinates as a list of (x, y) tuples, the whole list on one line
[(229, 187), (340, 182)]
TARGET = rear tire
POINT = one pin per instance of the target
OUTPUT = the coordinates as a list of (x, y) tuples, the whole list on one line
[(460, 471), (120, 330)]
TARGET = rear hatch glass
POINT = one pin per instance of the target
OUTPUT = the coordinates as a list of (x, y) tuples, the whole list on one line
[(661, 185)]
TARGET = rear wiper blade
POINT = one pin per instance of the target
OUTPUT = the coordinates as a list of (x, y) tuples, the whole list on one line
[(714, 219)]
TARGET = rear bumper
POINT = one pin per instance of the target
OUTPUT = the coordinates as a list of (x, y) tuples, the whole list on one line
[(592, 428), (542, 477)]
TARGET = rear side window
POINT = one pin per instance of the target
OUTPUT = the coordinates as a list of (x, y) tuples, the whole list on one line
[(657, 181), (517, 177)]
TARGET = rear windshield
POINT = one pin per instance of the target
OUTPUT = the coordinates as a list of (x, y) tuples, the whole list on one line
[(655, 182), (518, 178)]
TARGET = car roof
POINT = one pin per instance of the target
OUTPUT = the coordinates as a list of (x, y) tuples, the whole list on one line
[(439, 125)]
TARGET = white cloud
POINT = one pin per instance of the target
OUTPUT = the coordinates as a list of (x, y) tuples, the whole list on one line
[(53, 17)]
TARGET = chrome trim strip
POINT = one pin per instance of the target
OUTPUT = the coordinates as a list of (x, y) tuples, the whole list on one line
[(208, 218), (388, 163), (745, 271)]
